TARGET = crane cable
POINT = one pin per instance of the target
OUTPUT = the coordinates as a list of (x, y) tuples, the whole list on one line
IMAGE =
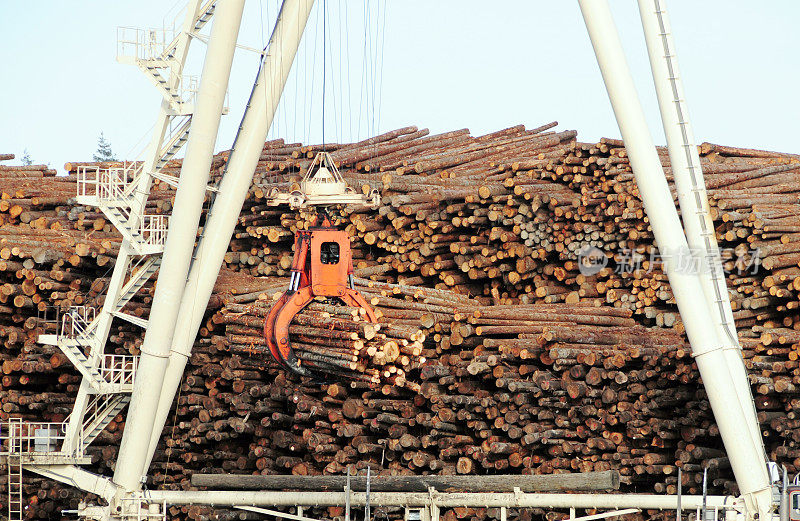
[(324, 64), (171, 449), (349, 87), (377, 47)]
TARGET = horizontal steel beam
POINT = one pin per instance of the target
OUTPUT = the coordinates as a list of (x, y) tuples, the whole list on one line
[(443, 500)]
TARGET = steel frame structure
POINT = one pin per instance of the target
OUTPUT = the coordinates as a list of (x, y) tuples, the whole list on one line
[(121, 193), (185, 282)]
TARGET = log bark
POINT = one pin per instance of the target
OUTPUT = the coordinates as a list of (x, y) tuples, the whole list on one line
[(587, 481)]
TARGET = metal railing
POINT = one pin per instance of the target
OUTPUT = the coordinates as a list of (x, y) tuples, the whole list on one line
[(131, 170), (188, 89), (108, 184), (117, 185), (119, 369), (48, 314), (144, 44), (113, 184), (98, 408), (75, 322), (177, 131), (49, 318), (135, 266), (19, 437), (154, 229), (99, 412), (88, 181)]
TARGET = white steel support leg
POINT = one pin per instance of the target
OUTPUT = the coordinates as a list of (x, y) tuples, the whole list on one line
[(78, 478), (746, 454), (688, 174), (75, 423), (685, 160), (228, 202), (179, 244)]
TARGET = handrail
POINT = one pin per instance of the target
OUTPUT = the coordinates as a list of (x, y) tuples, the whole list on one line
[(97, 407), (154, 229), (106, 184), (49, 318), (87, 180), (119, 369), (21, 438), (76, 321), (143, 44)]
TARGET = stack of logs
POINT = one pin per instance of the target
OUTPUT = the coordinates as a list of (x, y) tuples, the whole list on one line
[(494, 353)]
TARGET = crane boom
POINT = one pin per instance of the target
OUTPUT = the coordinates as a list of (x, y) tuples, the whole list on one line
[(232, 191), (693, 199), (195, 172), (722, 382)]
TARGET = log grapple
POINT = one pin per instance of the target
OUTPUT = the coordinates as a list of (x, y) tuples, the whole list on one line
[(322, 265)]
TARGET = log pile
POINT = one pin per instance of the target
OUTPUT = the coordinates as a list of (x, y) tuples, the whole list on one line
[(497, 383), (525, 363)]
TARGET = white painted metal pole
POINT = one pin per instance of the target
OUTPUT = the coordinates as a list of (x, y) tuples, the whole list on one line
[(77, 477), (180, 243), (688, 175), (236, 181), (746, 455), (685, 160), (444, 500)]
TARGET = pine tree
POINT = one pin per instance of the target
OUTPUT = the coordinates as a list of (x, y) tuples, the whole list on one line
[(104, 152), (26, 158)]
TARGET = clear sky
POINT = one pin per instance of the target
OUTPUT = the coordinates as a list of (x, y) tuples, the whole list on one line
[(443, 64)]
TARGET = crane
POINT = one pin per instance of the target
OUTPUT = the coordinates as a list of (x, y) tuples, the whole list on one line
[(187, 274)]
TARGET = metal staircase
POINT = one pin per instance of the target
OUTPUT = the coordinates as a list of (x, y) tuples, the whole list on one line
[(208, 11), (99, 413), (141, 272), (112, 190), (178, 135), (121, 193), (113, 373)]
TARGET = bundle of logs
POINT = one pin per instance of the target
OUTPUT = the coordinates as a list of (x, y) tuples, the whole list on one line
[(495, 352), (333, 340)]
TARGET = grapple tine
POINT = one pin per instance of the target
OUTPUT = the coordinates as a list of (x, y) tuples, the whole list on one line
[(353, 298), (269, 328), (295, 302)]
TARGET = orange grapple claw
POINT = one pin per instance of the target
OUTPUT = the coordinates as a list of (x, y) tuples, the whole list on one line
[(322, 266)]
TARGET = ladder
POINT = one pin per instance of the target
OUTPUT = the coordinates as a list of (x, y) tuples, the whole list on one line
[(14, 469)]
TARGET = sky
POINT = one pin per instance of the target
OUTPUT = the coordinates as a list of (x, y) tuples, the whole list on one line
[(441, 65)]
